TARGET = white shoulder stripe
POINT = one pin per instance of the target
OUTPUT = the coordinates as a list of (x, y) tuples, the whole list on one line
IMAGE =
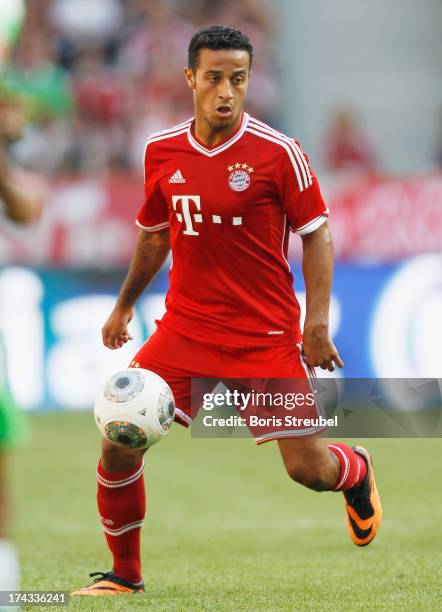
[(301, 155), (172, 129), (285, 146), (307, 177), (157, 139), (297, 150), (267, 127), (182, 130)]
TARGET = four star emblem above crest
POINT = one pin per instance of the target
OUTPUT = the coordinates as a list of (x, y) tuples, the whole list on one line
[(242, 166)]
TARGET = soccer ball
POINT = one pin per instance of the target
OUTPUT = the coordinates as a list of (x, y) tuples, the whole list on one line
[(134, 408)]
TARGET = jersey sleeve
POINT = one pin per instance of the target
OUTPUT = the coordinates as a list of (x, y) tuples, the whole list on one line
[(299, 190), (153, 215)]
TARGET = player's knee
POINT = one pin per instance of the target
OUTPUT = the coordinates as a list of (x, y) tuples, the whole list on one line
[(312, 477), (117, 459)]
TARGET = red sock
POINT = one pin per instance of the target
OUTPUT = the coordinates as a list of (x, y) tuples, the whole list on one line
[(122, 506), (353, 467)]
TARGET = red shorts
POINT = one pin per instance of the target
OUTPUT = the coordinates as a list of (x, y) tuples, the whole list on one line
[(179, 359)]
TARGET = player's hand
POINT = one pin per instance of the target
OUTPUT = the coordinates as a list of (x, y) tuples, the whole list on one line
[(319, 349), (12, 120), (115, 332)]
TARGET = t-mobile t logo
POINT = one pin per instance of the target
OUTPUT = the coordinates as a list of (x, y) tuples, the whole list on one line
[(186, 214), (187, 209)]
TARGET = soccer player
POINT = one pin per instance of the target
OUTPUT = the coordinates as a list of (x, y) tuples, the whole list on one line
[(222, 191), (21, 202)]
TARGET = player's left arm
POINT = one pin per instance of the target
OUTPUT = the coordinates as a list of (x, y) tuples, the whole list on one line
[(307, 214), (317, 267)]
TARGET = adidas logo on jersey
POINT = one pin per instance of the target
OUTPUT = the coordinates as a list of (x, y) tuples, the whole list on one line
[(177, 177)]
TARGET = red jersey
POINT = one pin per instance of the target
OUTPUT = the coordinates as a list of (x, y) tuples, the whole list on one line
[(229, 209)]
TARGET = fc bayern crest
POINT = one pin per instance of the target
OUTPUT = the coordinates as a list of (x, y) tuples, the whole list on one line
[(239, 176)]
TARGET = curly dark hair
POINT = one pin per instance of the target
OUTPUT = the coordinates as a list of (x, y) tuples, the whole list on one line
[(216, 38)]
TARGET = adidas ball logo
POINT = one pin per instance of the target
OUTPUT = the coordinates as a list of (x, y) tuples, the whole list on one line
[(177, 177)]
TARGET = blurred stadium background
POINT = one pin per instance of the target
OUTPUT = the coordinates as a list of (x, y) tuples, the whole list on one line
[(358, 83)]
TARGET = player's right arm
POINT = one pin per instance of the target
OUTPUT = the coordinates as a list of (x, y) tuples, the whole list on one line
[(151, 251)]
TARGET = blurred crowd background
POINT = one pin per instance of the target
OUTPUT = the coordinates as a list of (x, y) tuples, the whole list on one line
[(99, 75)]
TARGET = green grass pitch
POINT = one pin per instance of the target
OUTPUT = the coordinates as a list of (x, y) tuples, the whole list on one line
[(227, 529)]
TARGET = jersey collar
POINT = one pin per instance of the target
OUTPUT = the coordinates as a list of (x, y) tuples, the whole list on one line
[(223, 146)]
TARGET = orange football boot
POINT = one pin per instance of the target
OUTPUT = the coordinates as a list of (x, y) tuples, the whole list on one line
[(363, 505), (109, 584)]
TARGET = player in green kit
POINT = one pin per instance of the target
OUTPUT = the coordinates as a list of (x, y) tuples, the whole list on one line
[(21, 202)]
